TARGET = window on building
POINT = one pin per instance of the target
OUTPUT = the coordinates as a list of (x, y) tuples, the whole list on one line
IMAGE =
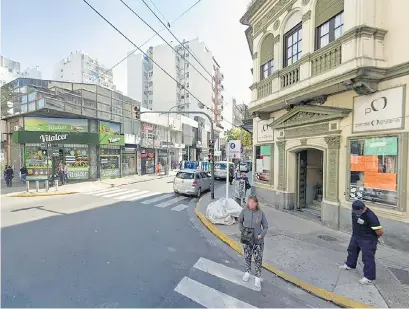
[(263, 163), (293, 45), (330, 31), (374, 170), (267, 69)]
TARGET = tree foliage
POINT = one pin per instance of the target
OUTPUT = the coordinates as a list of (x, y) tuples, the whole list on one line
[(237, 134)]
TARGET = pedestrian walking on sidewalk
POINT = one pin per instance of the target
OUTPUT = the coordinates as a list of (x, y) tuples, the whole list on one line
[(253, 227), (366, 231), (8, 176), (23, 174)]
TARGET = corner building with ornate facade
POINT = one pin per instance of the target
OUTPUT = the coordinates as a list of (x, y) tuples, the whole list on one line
[(330, 107)]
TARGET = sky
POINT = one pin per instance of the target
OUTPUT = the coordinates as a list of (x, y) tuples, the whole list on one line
[(42, 32)]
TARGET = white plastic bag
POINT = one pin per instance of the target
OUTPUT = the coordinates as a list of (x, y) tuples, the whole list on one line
[(223, 211)]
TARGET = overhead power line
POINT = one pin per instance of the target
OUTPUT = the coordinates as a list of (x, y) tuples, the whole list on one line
[(170, 45), (153, 36), (154, 5), (183, 45)]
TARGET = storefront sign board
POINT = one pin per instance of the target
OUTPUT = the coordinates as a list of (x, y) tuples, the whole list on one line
[(110, 133), (382, 110), (364, 163), (23, 137), (383, 181), (55, 124), (387, 146), (265, 131)]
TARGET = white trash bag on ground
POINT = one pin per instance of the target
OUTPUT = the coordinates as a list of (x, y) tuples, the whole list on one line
[(223, 211)]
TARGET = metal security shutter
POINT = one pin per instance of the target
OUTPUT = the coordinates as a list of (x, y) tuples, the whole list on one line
[(267, 49), (326, 9)]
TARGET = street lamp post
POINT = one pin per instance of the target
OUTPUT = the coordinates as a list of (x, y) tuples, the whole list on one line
[(211, 133)]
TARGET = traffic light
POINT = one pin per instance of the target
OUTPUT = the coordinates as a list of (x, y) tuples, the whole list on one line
[(137, 112), (211, 144), (211, 150)]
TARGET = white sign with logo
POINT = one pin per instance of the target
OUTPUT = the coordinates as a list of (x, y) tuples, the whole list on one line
[(234, 151), (53, 137), (382, 110), (265, 131), (130, 139)]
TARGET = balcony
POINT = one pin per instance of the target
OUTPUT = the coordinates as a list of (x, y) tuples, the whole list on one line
[(326, 58), (290, 75), (265, 87)]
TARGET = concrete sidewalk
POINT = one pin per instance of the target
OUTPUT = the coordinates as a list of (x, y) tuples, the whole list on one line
[(311, 253), (81, 187)]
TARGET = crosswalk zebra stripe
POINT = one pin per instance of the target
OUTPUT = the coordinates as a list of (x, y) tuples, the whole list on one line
[(99, 191), (120, 193), (207, 296), (170, 202), (157, 199), (112, 193), (108, 191), (141, 196), (179, 207), (138, 192), (224, 272)]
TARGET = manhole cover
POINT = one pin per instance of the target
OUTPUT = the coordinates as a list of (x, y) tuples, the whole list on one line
[(327, 238)]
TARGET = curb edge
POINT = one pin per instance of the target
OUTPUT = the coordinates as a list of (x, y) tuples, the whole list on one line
[(40, 194), (321, 293)]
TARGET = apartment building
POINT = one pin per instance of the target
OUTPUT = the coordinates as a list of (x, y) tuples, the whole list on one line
[(199, 81), (80, 67), (239, 113), (10, 70), (330, 79)]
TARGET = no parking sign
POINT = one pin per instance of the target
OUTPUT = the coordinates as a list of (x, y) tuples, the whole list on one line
[(234, 149)]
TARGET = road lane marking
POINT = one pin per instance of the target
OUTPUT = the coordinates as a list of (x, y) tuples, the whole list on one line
[(224, 272), (170, 202), (179, 207), (207, 296), (108, 192), (142, 196), (157, 199), (121, 192), (131, 194)]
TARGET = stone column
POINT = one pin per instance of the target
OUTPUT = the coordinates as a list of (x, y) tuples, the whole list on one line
[(281, 185), (331, 186)]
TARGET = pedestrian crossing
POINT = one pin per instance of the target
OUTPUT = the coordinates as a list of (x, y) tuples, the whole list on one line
[(210, 297), (145, 197)]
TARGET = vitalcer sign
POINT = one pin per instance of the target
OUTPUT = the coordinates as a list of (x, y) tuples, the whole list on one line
[(53, 137), (23, 137)]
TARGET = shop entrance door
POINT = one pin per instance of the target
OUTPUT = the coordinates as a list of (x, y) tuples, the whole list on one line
[(302, 179)]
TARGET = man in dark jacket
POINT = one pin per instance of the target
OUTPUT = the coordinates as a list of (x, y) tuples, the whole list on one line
[(23, 173), (8, 176)]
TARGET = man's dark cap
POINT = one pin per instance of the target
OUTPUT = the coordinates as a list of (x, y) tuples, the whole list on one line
[(358, 207)]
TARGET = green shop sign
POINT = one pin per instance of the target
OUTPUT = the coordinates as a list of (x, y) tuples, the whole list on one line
[(24, 137), (55, 124), (110, 133), (386, 146)]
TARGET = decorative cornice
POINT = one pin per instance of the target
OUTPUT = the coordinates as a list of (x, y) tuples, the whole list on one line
[(333, 142), (306, 16), (252, 9), (280, 144), (363, 31), (249, 37), (280, 7)]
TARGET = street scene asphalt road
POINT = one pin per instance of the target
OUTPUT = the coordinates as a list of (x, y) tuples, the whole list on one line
[(134, 246)]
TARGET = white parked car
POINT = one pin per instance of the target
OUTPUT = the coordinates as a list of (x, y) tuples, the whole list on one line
[(191, 182)]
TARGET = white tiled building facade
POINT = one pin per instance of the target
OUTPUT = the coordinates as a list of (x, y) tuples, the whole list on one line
[(80, 67), (329, 96)]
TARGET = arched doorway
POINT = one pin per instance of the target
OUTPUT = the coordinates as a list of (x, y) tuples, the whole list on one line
[(309, 180)]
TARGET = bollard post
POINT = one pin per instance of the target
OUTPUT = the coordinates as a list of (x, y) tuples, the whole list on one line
[(28, 185), (56, 184), (37, 186), (46, 185)]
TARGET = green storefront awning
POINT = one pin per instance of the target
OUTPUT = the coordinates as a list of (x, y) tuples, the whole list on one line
[(23, 137)]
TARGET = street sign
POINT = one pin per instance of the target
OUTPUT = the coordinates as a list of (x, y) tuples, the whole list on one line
[(234, 149)]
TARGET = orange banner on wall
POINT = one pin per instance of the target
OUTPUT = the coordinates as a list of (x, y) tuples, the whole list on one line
[(364, 163), (385, 181)]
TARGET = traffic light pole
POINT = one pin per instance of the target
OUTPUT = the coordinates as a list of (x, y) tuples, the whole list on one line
[(211, 134)]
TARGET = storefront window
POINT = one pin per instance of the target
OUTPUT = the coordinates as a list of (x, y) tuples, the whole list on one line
[(263, 170), (373, 169), (129, 161), (36, 159), (77, 161), (110, 161)]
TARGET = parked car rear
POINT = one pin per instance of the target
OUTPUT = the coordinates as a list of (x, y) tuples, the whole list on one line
[(191, 182)]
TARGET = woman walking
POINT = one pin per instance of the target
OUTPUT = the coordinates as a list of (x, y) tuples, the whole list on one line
[(253, 227)]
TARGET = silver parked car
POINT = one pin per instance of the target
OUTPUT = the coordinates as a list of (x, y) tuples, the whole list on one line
[(191, 182)]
